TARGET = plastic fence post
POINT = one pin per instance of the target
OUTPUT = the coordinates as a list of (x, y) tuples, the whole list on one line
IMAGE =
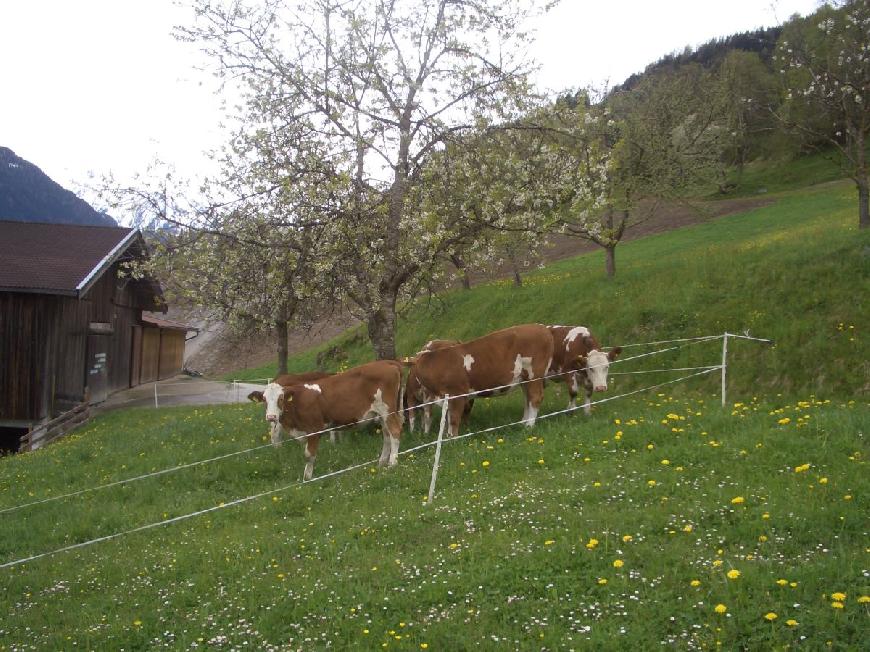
[(445, 407), (724, 365)]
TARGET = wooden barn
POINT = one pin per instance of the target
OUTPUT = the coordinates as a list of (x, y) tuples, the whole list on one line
[(72, 328)]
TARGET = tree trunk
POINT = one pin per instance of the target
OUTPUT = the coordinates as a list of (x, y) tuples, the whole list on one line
[(863, 203), (518, 281), (610, 260), (382, 331), (460, 265), (281, 332)]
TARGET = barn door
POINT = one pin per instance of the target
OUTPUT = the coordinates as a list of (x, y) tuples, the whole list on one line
[(97, 379)]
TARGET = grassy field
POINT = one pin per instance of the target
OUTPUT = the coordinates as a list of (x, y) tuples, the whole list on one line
[(793, 271), (662, 519), (625, 530)]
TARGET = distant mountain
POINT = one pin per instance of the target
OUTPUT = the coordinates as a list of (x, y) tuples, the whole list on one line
[(762, 41), (27, 194)]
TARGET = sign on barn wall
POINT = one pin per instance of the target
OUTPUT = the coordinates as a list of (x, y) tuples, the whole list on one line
[(97, 375)]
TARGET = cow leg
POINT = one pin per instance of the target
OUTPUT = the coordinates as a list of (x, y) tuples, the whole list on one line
[(384, 459), (587, 406), (276, 433), (534, 396), (456, 411), (427, 418), (572, 392), (412, 418), (393, 426), (310, 451)]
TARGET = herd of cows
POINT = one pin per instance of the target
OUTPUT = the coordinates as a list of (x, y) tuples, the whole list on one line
[(526, 355)]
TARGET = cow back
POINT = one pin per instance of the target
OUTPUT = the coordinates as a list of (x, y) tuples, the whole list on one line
[(346, 397), (499, 358)]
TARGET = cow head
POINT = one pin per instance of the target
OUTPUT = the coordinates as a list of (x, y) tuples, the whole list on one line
[(596, 364), (274, 398)]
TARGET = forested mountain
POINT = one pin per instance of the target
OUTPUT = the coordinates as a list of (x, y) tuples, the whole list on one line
[(761, 41), (27, 194)]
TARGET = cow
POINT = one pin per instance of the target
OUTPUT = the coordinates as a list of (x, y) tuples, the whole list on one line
[(344, 399), (290, 379), (578, 358), (416, 394), (493, 363)]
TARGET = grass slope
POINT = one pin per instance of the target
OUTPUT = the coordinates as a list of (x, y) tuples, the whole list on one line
[(612, 532), (793, 271)]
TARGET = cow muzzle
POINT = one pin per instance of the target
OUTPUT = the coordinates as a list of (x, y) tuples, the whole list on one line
[(601, 388), (271, 418)]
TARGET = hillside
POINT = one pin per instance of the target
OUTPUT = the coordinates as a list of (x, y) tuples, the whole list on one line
[(789, 270), (660, 520), (623, 531), (27, 194)]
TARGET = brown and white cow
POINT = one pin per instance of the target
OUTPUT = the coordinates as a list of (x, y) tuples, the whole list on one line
[(416, 394), (494, 362), (290, 379), (343, 399), (578, 359)]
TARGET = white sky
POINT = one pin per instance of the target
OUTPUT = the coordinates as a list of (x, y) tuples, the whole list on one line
[(98, 86)]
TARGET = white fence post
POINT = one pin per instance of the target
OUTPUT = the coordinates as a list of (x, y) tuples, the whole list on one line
[(155, 395), (445, 407), (724, 364)]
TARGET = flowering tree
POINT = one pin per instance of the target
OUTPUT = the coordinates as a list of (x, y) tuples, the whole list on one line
[(824, 63), (615, 159), (380, 86)]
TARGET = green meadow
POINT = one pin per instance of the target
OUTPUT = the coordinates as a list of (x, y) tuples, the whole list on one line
[(662, 519)]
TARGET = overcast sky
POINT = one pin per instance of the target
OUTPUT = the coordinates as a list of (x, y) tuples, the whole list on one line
[(101, 85)]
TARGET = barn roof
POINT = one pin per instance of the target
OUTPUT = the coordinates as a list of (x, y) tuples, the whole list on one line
[(63, 258), (170, 324)]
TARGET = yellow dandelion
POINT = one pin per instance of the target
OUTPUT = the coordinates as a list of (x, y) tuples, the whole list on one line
[(592, 543), (720, 608), (541, 461), (137, 623), (784, 421), (695, 583), (666, 462), (837, 605), (717, 563), (738, 500), (864, 599), (424, 646), (791, 622), (823, 481), (549, 542), (733, 574), (651, 483), (802, 468), (618, 563), (485, 463), (782, 582), (771, 616), (626, 538), (762, 538), (687, 528), (602, 580), (839, 597)]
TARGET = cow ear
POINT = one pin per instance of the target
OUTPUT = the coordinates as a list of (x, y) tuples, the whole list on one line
[(581, 361), (256, 397), (611, 355)]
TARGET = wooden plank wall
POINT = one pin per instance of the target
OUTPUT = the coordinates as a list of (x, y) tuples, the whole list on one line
[(171, 352), (150, 355)]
